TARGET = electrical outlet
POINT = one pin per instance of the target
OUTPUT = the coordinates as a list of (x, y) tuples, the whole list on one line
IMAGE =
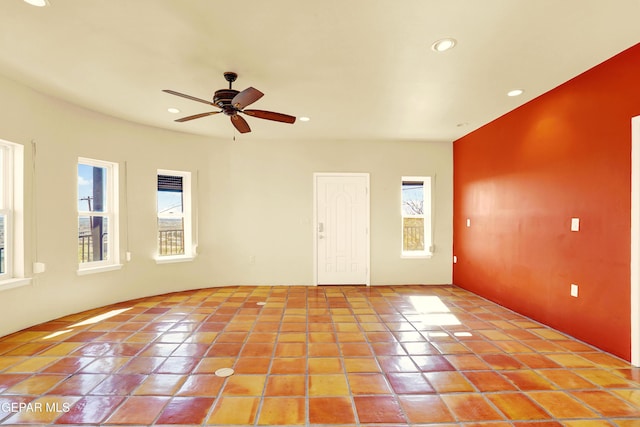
[(38, 267), (468, 222), (574, 290)]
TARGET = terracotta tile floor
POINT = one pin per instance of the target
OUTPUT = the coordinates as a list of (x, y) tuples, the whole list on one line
[(391, 356)]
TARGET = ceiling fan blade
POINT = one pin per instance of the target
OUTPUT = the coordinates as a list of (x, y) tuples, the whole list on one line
[(240, 124), (246, 97), (197, 116), (270, 115), (193, 98)]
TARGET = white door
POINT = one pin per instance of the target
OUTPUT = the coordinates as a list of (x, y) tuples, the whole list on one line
[(342, 229)]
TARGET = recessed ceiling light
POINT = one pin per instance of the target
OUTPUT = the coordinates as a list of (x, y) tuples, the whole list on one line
[(38, 3), (515, 92), (443, 45), (173, 110), (304, 119)]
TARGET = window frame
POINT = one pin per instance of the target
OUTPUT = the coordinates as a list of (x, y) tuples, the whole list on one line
[(12, 206), (6, 209), (427, 183), (186, 215), (110, 212)]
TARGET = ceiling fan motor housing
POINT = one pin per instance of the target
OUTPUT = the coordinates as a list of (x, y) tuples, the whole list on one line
[(222, 98)]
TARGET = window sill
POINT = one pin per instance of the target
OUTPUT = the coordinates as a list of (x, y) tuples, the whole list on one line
[(101, 269), (418, 255), (172, 259), (14, 283)]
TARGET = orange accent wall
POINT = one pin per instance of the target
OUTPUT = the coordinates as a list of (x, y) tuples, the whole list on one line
[(521, 178)]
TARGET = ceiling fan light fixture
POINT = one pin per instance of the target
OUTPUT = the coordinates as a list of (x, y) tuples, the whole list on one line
[(304, 119), (37, 3), (515, 92), (443, 45), (173, 110)]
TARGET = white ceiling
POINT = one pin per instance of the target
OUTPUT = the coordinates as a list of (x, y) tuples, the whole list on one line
[(361, 69)]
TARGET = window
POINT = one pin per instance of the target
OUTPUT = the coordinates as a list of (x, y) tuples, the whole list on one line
[(416, 216), (11, 216), (97, 214), (174, 215)]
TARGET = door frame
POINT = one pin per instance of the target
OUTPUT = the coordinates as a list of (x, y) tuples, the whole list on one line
[(635, 241), (314, 225)]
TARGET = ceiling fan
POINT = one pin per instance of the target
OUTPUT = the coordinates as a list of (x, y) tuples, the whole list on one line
[(231, 102)]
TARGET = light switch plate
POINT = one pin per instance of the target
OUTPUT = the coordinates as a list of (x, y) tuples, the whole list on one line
[(574, 290), (575, 224)]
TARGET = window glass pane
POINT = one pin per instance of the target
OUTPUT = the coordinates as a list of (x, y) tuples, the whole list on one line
[(3, 171), (413, 198), (3, 255), (92, 238), (171, 236), (170, 215), (170, 202), (413, 234), (92, 188)]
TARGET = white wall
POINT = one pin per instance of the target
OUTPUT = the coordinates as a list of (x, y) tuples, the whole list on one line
[(254, 199)]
